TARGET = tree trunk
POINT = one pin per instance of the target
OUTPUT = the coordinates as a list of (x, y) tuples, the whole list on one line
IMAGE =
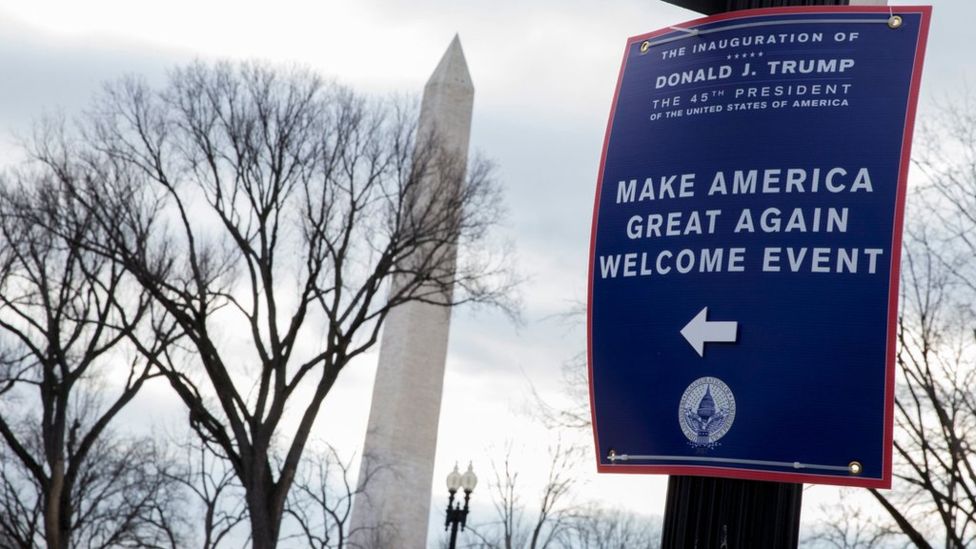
[(56, 525), (261, 495), (264, 526)]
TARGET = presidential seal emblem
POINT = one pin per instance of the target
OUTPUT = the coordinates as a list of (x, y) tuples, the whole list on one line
[(706, 411)]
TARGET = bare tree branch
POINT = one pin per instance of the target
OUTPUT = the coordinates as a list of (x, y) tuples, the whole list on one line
[(261, 210), (935, 489), (66, 315)]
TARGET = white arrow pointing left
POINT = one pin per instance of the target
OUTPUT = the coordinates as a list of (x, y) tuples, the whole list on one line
[(701, 330)]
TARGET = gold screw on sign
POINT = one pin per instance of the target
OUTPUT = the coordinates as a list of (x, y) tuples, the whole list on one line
[(645, 45), (854, 467), (894, 22)]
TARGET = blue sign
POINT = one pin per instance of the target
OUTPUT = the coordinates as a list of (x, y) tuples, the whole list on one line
[(745, 248)]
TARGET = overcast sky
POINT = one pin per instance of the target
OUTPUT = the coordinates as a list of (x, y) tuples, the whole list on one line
[(544, 73)]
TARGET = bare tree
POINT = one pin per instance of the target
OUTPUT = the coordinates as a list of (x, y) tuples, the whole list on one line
[(934, 500), (121, 496), (544, 525), (212, 488), (66, 314), (556, 521), (935, 495), (21, 509), (848, 524), (320, 502), (126, 498), (574, 415), (595, 527), (592, 525), (267, 212)]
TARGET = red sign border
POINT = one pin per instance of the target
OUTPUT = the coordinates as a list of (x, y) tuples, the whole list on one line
[(751, 474)]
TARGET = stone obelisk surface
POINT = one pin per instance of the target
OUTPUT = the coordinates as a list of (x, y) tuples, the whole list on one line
[(393, 506)]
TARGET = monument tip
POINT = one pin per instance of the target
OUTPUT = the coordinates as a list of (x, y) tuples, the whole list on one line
[(452, 68)]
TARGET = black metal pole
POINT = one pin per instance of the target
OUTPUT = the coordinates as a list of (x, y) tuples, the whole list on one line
[(456, 515), (723, 513), (454, 529), (451, 520), (704, 512)]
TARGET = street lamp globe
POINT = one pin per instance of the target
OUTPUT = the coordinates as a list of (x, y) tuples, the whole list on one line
[(454, 480), (469, 480)]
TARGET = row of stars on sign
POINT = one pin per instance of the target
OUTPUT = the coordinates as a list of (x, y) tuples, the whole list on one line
[(744, 55)]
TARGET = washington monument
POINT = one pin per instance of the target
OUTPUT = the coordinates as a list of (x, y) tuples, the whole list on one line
[(393, 507)]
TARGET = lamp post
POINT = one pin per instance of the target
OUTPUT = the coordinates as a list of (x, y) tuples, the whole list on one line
[(455, 513)]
